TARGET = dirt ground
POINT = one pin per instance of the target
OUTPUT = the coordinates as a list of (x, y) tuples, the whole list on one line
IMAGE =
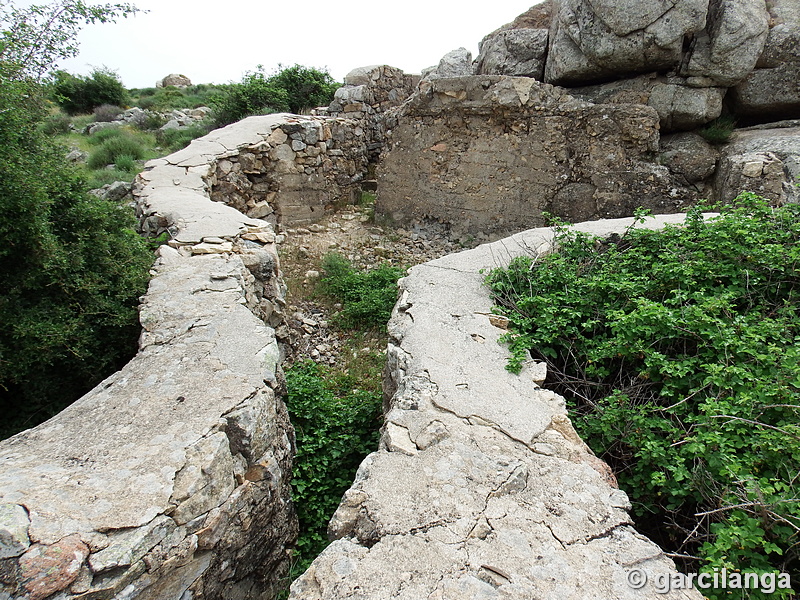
[(352, 233)]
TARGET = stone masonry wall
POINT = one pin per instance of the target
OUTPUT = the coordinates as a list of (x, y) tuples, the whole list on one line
[(297, 173), (481, 487), (308, 165), (169, 480)]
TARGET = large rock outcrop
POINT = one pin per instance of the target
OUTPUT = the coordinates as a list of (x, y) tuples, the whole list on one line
[(727, 49), (772, 90), (593, 40), (491, 154), (692, 52), (519, 52)]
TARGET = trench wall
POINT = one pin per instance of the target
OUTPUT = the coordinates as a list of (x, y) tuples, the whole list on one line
[(170, 480), (481, 487)]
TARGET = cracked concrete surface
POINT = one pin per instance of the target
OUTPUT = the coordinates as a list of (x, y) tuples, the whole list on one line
[(171, 478), (480, 487)]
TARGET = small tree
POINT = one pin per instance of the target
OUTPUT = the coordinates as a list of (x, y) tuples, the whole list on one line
[(81, 95), (34, 38), (307, 87)]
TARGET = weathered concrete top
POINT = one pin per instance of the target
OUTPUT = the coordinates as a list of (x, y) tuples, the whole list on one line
[(172, 475), (481, 488)]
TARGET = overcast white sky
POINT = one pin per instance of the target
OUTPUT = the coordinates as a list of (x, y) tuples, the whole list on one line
[(217, 42)]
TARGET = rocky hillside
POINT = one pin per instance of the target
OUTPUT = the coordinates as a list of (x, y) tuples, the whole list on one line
[(691, 56)]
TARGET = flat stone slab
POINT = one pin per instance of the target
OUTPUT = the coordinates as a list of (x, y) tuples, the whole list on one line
[(481, 487)]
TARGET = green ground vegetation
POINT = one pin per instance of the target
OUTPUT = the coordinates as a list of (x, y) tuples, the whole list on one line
[(718, 131), (679, 354), (336, 411)]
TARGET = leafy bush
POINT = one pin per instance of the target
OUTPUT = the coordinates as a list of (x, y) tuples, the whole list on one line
[(679, 352), (113, 148), (103, 135), (72, 269), (255, 95), (169, 98), (77, 94), (336, 427), (367, 298), (293, 89), (306, 87)]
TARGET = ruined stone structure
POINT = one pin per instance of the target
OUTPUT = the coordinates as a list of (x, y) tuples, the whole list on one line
[(170, 480)]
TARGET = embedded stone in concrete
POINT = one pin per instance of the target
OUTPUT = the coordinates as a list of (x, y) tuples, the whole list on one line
[(14, 524)]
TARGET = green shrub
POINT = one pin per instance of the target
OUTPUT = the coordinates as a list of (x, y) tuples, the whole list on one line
[(57, 124), (719, 131), (114, 147), (97, 178), (103, 135), (77, 94), (367, 297), (679, 353), (176, 139), (336, 427), (72, 269), (294, 89), (169, 98), (255, 95), (306, 87), (126, 163)]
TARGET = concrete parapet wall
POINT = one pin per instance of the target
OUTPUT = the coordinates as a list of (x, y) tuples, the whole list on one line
[(480, 488), (493, 153), (169, 480)]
